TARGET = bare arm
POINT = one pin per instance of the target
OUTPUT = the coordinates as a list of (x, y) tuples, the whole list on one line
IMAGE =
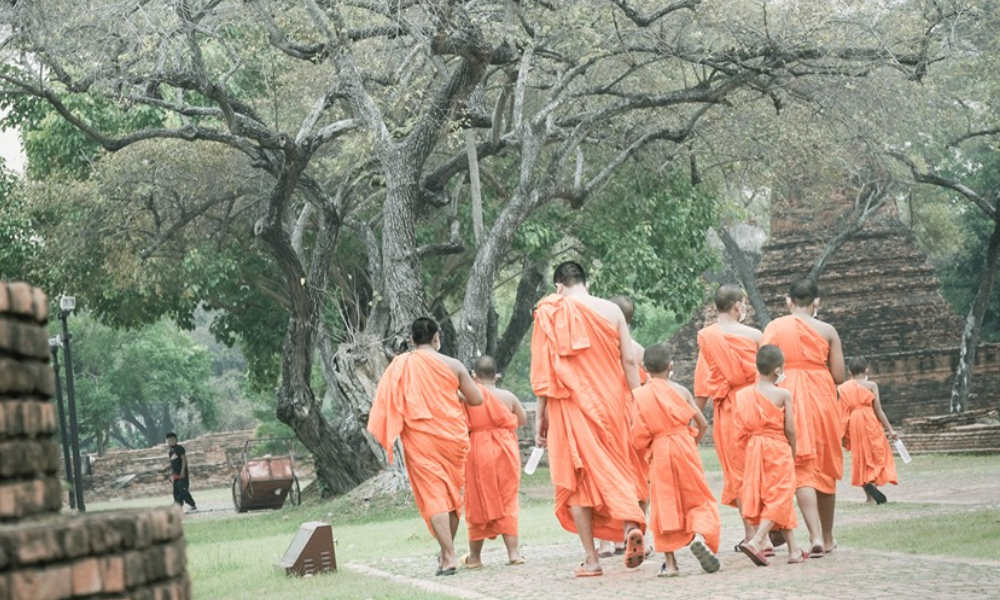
[(699, 419), (184, 466), (467, 387), (541, 422), (630, 362), (790, 423), (877, 405), (836, 359), (519, 412)]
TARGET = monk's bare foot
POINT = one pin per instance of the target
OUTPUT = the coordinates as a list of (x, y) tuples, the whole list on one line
[(515, 559)]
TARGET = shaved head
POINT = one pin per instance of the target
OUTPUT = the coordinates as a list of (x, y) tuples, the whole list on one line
[(625, 303), (569, 273), (485, 367), (727, 296), (769, 358), (423, 330), (857, 365), (803, 291), (656, 358)]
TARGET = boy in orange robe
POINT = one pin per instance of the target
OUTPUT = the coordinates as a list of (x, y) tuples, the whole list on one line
[(727, 351), (814, 365), (493, 468), (419, 400), (872, 464), (683, 511), (765, 424), (583, 367)]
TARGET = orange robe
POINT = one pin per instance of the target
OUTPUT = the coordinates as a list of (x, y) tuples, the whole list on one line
[(681, 503), (493, 470), (726, 364), (576, 366), (639, 459), (769, 470), (871, 458), (819, 459), (417, 401)]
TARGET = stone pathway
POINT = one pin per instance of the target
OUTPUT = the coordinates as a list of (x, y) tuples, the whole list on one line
[(848, 573)]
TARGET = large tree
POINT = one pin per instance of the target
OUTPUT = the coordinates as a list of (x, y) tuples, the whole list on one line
[(364, 120)]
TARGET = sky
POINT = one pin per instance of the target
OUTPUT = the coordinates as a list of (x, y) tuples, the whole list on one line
[(10, 149)]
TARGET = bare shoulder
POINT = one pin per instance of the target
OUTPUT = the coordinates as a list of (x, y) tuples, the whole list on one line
[(453, 363), (506, 395), (825, 329), (680, 389), (608, 309), (749, 332), (871, 386)]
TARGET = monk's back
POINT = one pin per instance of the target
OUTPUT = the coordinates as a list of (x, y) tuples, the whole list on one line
[(430, 394), (801, 342)]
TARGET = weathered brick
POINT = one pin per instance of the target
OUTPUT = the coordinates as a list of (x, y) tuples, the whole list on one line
[(48, 422), (41, 304), (113, 574), (9, 505), (15, 377), (54, 583), (4, 298), (135, 569), (74, 539), (4, 587), (21, 299), (86, 577), (155, 560), (104, 535), (174, 558), (44, 379), (38, 545), (28, 457)]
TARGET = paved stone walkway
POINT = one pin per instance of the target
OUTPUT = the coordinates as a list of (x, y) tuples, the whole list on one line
[(848, 573)]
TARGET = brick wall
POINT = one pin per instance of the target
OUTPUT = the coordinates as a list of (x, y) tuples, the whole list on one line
[(136, 555), (975, 431)]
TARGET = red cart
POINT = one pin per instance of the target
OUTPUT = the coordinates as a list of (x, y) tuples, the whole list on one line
[(265, 483)]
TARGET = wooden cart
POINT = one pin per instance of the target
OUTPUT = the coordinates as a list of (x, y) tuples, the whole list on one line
[(265, 483)]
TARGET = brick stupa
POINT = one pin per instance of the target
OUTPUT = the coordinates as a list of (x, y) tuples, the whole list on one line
[(880, 293), (45, 555)]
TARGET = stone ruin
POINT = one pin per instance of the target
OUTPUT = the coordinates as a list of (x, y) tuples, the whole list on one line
[(883, 297), (44, 555)]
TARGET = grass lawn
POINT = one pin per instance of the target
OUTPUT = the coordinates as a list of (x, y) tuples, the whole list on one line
[(970, 534)]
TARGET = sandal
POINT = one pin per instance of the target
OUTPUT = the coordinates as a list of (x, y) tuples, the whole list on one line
[(635, 549), (755, 555), (663, 572), (516, 561), (583, 571), (464, 561), (708, 561), (445, 572), (803, 556), (817, 552), (875, 493)]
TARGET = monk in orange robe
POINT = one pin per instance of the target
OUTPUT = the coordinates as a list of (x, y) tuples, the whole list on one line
[(493, 469), (638, 460), (419, 400), (872, 464), (814, 365), (683, 511), (726, 354), (583, 367), (765, 424)]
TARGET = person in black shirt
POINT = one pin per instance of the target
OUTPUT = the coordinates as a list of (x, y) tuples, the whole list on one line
[(179, 472)]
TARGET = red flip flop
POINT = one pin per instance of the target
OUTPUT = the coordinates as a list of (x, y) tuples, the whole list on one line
[(803, 556), (756, 556), (635, 549)]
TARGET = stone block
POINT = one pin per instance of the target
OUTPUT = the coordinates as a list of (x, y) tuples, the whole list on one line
[(22, 300), (4, 298), (41, 304), (38, 545), (16, 377), (104, 535), (74, 539), (135, 569), (87, 577)]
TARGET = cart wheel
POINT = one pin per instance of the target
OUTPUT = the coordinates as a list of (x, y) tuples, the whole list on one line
[(238, 495), (295, 494)]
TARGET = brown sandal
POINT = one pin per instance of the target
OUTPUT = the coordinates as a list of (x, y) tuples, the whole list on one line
[(635, 549)]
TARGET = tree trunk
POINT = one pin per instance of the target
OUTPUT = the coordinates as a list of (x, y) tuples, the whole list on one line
[(973, 325), (745, 271), (529, 291)]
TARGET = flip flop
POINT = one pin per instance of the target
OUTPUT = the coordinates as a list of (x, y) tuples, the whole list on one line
[(706, 558), (663, 572), (817, 552), (768, 552), (758, 559), (875, 493), (515, 562), (635, 549), (803, 556), (465, 563), (777, 538), (583, 571), (737, 547), (835, 546), (445, 572)]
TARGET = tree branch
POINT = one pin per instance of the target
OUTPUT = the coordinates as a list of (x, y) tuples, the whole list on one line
[(932, 179)]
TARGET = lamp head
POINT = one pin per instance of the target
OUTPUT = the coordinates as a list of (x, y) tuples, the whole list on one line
[(55, 342), (67, 303)]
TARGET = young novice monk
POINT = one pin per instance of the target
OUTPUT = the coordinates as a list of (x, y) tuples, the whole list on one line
[(493, 468), (872, 464), (683, 510), (765, 426)]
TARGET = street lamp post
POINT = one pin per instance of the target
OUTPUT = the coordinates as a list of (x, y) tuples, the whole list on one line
[(54, 344), (66, 306)]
